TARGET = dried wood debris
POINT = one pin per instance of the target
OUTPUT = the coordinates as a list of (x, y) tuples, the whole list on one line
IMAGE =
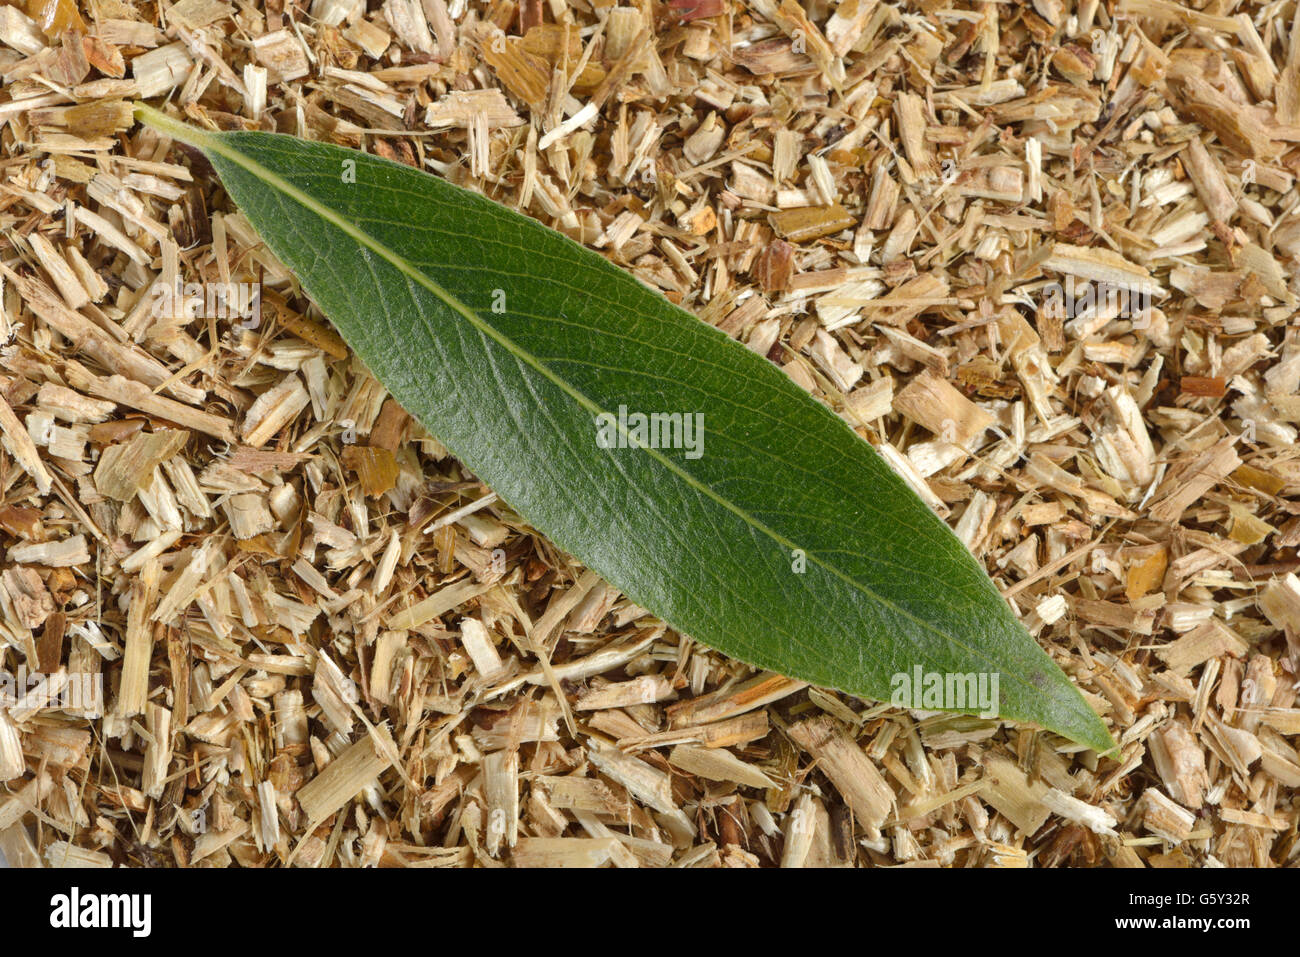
[(1043, 256)]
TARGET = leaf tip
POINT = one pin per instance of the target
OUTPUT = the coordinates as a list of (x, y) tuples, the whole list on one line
[(1091, 732), (1104, 745)]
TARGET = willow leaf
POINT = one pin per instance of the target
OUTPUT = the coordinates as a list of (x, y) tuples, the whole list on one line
[(775, 534)]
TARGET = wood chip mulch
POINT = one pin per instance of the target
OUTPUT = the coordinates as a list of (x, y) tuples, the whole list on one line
[(321, 642)]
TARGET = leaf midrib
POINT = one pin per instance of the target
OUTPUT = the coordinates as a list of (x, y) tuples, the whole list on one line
[(402, 265)]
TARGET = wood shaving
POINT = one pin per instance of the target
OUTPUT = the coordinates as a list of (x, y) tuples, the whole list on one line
[(319, 641)]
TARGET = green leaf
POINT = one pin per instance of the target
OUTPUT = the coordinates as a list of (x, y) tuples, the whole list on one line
[(782, 539)]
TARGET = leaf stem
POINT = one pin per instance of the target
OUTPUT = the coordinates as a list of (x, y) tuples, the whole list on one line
[(174, 128)]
